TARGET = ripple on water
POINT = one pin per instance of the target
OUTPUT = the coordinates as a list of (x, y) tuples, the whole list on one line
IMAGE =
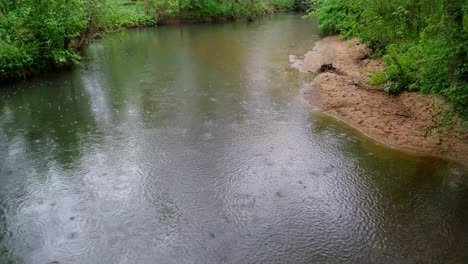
[(30, 234), (74, 242), (185, 168)]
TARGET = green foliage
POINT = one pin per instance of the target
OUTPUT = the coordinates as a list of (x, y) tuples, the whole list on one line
[(36, 35), (112, 14), (401, 67), (204, 9), (377, 78), (334, 16), (283, 4), (424, 43)]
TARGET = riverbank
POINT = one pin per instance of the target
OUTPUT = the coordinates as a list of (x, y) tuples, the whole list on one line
[(31, 45), (407, 121)]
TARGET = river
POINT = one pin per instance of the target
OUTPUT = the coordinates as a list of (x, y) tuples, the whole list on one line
[(192, 144)]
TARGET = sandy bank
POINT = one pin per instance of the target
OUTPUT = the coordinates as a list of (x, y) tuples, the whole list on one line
[(405, 121)]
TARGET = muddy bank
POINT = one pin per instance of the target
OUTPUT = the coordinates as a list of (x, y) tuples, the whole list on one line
[(406, 121)]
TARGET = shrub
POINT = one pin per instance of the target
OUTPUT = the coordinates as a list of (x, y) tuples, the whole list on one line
[(424, 43), (36, 35)]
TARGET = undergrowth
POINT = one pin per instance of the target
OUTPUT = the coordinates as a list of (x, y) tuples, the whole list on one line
[(424, 43)]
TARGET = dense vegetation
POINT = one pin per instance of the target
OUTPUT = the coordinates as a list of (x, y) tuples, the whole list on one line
[(37, 35), (424, 42)]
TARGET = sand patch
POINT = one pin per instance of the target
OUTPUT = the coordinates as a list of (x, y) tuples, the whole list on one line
[(404, 121)]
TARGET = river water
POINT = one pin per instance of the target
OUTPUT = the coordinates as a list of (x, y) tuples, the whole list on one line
[(192, 144)]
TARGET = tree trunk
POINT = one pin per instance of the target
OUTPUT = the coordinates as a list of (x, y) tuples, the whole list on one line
[(454, 22), (454, 12), (157, 14), (147, 6)]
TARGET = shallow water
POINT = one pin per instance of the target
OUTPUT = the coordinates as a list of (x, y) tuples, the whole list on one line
[(191, 144)]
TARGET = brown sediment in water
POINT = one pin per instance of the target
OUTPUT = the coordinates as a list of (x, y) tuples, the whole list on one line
[(405, 121)]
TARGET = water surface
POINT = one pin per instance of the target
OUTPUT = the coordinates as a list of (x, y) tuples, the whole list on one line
[(192, 144)]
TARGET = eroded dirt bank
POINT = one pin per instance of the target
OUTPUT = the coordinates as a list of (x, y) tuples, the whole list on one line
[(405, 121)]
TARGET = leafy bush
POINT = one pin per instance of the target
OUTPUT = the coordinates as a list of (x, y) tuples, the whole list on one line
[(34, 32), (36, 35), (424, 43)]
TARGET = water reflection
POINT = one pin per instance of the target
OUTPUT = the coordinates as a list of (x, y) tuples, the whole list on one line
[(406, 200), (191, 145)]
